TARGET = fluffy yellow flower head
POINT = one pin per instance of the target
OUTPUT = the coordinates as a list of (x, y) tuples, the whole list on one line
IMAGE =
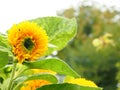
[(34, 84), (28, 41), (81, 82)]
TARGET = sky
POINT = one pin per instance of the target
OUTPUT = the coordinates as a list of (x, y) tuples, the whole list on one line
[(15, 11)]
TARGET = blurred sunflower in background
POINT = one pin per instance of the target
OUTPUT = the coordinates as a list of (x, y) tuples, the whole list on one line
[(103, 41), (28, 40)]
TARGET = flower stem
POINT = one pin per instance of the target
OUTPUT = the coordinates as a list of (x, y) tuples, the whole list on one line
[(12, 76)]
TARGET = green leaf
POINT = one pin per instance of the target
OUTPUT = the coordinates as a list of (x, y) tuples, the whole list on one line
[(2, 73), (3, 59), (53, 64), (19, 81), (47, 77), (5, 71), (4, 44), (44, 76), (60, 31), (3, 40), (66, 86)]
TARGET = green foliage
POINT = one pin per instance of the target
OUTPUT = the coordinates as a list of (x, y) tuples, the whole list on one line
[(58, 29), (53, 64), (4, 72), (66, 86), (3, 40), (81, 55), (3, 58), (4, 45), (118, 75), (19, 81)]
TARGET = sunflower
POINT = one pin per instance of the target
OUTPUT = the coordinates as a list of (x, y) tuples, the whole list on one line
[(81, 82), (34, 84), (36, 71), (28, 40)]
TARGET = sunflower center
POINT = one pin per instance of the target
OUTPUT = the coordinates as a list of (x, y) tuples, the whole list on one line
[(28, 44)]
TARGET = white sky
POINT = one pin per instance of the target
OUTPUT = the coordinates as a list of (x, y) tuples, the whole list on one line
[(14, 11)]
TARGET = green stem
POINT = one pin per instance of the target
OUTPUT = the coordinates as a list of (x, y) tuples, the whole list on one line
[(12, 76), (20, 71)]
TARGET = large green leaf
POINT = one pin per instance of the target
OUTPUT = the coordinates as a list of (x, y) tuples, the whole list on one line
[(60, 31), (66, 86), (47, 77), (53, 64), (19, 81), (3, 58)]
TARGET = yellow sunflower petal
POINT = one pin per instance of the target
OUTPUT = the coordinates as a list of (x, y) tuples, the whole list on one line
[(34, 84), (28, 41), (35, 71), (81, 82)]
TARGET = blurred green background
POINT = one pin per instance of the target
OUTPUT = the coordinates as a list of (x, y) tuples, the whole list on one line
[(98, 63)]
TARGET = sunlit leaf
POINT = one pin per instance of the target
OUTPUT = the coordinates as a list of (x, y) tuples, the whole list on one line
[(4, 44), (60, 31), (53, 64), (3, 40)]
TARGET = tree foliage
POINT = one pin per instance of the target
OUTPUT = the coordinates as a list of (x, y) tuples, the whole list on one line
[(98, 65)]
